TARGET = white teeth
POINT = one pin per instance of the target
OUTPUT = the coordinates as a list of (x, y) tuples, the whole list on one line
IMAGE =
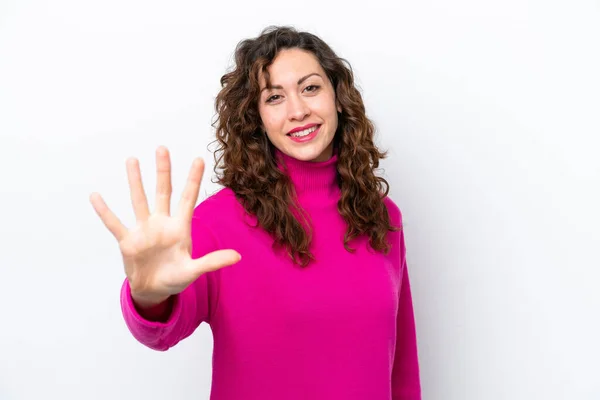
[(305, 132)]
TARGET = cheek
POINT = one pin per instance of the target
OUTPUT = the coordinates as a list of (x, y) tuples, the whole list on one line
[(326, 107), (272, 118)]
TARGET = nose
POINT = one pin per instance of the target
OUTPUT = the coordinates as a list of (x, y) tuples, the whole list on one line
[(297, 108)]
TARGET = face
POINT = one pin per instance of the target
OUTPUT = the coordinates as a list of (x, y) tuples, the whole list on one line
[(299, 112)]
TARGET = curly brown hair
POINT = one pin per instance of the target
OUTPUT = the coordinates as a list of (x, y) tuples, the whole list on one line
[(245, 158)]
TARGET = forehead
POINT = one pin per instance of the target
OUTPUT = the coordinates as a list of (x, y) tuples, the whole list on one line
[(291, 64)]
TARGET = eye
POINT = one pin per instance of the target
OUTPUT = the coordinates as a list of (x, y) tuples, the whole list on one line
[(315, 88), (272, 98)]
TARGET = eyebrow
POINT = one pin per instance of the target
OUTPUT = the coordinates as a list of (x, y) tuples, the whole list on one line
[(305, 77)]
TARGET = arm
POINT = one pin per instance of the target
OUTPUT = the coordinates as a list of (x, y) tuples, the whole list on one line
[(186, 311), (406, 383)]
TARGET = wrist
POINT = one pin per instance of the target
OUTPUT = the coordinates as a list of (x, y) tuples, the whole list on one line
[(148, 302)]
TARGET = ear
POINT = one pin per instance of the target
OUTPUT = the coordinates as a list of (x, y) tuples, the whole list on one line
[(338, 106)]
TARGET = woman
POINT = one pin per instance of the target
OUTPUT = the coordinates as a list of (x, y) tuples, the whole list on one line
[(299, 263)]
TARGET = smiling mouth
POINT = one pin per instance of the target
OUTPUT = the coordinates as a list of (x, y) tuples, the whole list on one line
[(306, 132)]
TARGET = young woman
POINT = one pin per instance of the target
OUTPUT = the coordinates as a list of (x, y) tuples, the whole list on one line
[(298, 264)]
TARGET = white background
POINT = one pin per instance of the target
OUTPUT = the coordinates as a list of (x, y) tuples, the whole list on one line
[(491, 113)]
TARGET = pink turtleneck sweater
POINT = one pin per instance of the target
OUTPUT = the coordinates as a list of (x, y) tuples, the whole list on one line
[(343, 328)]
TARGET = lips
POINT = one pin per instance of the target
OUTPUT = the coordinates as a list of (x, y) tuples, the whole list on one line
[(301, 128), (306, 138)]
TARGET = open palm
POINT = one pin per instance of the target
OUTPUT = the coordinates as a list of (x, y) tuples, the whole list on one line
[(157, 250)]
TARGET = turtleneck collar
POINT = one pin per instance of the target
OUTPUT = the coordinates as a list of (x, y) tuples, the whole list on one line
[(310, 178)]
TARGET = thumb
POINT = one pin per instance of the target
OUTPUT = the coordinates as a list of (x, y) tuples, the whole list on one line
[(215, 260)]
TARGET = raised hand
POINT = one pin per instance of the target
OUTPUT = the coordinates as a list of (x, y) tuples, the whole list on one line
[(156, 251)]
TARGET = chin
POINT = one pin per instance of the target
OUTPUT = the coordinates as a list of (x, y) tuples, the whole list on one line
[(306, 154)]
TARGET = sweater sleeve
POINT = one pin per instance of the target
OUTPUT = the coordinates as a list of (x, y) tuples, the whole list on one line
[(406, 383), (191, 307)]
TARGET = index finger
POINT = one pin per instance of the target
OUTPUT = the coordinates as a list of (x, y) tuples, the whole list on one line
[(191, 190)]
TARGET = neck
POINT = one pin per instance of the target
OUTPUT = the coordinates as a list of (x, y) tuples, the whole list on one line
[(310, 178)]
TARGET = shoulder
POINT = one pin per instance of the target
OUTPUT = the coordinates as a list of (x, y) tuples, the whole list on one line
[(218, 206), (394, 211), (213, 219), (207, 218)]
